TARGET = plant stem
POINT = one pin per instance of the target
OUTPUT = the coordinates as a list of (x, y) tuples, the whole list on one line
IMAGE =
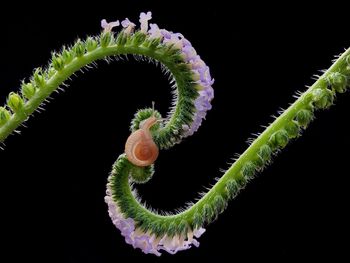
[(76, 64), (289, 114), (234, 172)]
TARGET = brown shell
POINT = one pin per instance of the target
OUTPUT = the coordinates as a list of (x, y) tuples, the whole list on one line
[(140, 148)]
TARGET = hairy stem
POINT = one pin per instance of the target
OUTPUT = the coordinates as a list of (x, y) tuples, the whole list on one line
[(276, 136), (75, 65), (250, 153), (135, 209)]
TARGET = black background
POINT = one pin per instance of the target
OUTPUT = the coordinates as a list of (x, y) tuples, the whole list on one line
[(53, 175)]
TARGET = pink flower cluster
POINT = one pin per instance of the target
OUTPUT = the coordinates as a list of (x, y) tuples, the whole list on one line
[(146, 241), (201, 72)]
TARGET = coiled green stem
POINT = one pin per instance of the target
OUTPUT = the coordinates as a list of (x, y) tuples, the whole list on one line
[(276, 136)]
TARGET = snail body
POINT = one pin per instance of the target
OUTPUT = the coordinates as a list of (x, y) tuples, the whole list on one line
[(140, 148)]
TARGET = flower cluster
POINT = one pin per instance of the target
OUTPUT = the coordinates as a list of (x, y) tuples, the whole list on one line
[(201, 75), (146, 241), (201, 72)]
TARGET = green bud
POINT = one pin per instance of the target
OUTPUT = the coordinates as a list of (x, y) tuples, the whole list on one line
[(347, 71), (347, 68), (231, 188), (28, 90), (50, 72), (182, 227), (172, 229), (323, 98), (57, 63), (307, 99), (241, 182), (138, 38), (152, 44), (279, 139), (141, 174), (121, 38), (67, 56), (163, 228), (15, 102), (39, 80), (265, 153), (157, 227), (79, 48), (208, 213), (338, 81), (198, 220), (4, 116), (248, 170), (91, 44), (292, 129), (219, 204), (304, 117), (105, 39)]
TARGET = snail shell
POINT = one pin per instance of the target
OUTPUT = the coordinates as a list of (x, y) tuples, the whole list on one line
[(140, 148)]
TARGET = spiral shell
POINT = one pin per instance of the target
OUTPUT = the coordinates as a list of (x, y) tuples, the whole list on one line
[(140, 148)]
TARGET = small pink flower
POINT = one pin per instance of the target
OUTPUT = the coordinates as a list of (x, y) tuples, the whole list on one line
[(128, 25), (175, 39), (154, 31), (144, 18), (109, 26), (198, 232), (189, 53)]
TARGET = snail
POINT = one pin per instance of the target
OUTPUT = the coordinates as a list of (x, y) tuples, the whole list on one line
[(140, 148)]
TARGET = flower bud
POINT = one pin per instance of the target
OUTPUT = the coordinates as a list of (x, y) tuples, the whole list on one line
[(248, 170), (39, 79), (279, 139), (105, 39), (265, 153), (323, 98), (67, 56), (28, 90), (57, 63), (338, 81), (91, 44), (4, 116), (292, 129), (79, 48), (15, 102), (304, 117)]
